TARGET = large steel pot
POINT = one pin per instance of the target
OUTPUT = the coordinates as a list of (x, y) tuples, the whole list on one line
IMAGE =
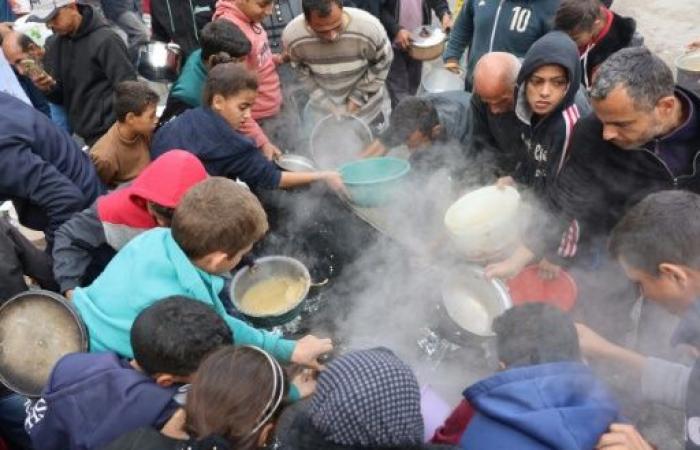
[(427, 43), (688, 67), (159, 61), (338, 140)]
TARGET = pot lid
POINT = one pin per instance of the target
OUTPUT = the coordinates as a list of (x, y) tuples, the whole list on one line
[(425, 36)]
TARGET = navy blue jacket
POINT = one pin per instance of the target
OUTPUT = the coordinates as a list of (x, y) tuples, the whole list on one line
[(42, 170), (92, 399), (542, 407), (223, 151)]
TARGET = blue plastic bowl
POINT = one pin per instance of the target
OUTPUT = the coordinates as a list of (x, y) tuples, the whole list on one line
[(375, 181)]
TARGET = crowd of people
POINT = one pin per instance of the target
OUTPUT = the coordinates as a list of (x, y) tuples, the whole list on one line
[(146, 215)]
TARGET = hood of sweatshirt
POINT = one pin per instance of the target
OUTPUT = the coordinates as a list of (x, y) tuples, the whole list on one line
[(165, 181), (90, 22), (553, 48)]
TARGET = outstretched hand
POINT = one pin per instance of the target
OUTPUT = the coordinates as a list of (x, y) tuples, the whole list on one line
[(309, 348)]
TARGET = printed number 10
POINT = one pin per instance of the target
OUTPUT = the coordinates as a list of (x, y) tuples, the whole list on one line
[(521, 17)]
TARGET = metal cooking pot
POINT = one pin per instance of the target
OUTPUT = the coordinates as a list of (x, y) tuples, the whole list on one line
[(440, 80), (427, 43), (295, 163), (159, 61), (467, 283), (265, 268), (37, 328), (688, 67), (338, 140)]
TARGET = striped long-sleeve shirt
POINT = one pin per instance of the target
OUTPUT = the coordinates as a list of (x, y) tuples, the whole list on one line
[(354, 66)]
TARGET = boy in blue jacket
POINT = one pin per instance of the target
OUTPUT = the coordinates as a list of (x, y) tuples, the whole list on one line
[(214, 226), (93, 398), (544, 399)]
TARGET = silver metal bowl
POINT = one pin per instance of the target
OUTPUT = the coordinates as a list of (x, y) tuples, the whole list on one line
[(159, 61), (338, 140), (295, 163)]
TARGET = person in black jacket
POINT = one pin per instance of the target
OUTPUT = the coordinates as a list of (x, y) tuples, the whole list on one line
[(42, 169), (597, 31), (181, 21), (85, 61)]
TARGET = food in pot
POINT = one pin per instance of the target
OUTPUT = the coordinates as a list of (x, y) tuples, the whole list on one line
[(471, 314), (272, 296)]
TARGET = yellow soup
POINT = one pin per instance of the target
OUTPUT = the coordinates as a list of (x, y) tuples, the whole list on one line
[(272, 296)]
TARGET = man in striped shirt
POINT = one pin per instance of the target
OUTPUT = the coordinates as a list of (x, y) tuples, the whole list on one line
[(342, 56)]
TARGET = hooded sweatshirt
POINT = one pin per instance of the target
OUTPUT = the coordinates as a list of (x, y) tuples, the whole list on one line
[(99, 393), (85, 244), (498, 26), (547, 138), (556, 406), (87, 66), (42, 169)]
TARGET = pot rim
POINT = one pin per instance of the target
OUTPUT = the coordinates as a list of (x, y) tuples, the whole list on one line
[(679, 62)]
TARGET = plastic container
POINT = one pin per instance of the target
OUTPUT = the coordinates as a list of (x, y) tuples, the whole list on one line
[(375, 181), (528, 287)]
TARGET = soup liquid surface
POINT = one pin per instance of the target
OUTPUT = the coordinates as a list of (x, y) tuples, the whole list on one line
[(272, 296)]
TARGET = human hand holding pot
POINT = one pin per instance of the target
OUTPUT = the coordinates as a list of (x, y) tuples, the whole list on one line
[(695, 45), (376, 148), (309, 349), (305, 380), (403, 39), (548, 270), (335, 181), (504, 182), (271, 151), (453, 66), (511, 266), (446, 22), (622, 437)]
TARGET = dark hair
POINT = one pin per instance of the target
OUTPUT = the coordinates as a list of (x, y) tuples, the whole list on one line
[(229, 79), (175, 334), (25, 42), (643, 75), (535, 333), (410, 115), (218, 214), (577, 15), (662, 228), (223, 36), (164, 212), (133, 97), (322, 8), (235, 390)]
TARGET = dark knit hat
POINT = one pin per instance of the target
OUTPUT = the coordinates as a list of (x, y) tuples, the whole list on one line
[(368, 398)]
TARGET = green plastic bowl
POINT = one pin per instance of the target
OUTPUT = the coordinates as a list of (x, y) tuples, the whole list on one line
[(374, 181)]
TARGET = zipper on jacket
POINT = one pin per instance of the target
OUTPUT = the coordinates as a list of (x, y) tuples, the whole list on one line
[(495, 24), (663, 163)]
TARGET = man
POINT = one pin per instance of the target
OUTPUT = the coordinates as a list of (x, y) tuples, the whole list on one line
[(486, 26), (42, 170), (598, 32), (18, 47), (343, 57), (181, 21), (126, 14), (85, 62)]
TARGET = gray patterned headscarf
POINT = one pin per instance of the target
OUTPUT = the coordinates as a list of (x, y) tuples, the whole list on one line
[(368, 398)]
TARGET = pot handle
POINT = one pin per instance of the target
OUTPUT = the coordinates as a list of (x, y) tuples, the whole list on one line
[(320, 283)]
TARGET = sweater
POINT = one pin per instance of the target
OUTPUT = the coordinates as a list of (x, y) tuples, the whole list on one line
[(42, 169), (498, 25), (99, 393), (103, 62), (556, 406), (223, 151), (156, 267), (353, 67), (118, 160)]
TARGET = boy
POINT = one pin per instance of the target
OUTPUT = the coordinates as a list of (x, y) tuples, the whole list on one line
[(123, 152), (657, 243), (85, 243), (597, 31), (214, 226), (545, 397), (221, 42), (91, 399)]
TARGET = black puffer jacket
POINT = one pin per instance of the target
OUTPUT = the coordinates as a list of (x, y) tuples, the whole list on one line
[(181, 21), (87, 66)]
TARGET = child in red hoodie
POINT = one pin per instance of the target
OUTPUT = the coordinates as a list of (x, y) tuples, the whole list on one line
[(85, 244), (248, 15)]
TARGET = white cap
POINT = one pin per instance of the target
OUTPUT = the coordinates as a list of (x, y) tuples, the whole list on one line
[(45, 10), (36, 31)]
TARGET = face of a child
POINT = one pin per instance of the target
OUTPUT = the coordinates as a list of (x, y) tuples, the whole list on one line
[(667, 288), (235, 109), (256, 10), (230, 263), (145, 122), (546, 88), (417, 140)]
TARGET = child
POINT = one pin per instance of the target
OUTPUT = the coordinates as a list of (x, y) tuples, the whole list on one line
[(545, 397), (221, 42), (214, 226), (248, 15), (233, 403), (85, 244), (657, 244), (122, 153), (549, 102), (366, 399), (597, 31), (92, 398), (211, 132)]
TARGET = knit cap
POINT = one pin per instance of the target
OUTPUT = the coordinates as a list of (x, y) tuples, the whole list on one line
[(368, 398)]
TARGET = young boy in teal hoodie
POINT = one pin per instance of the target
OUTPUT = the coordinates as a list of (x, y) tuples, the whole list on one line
[(214, 226)]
